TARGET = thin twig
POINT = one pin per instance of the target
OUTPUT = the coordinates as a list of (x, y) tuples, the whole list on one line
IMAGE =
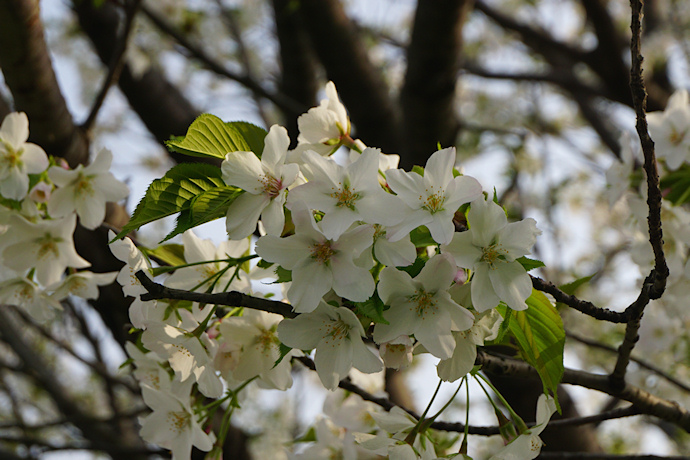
[(115, 66), (642, 363), (655, 284), (232, 299), (598, 456), (285, 103), (583, 306)]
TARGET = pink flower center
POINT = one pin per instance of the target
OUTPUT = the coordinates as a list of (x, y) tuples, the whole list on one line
[(272, 186), (322, 252)]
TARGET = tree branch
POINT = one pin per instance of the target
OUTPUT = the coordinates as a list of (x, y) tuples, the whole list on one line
[(25, 63), (655, 284), (428, 94), (231, 299), (347, 63)]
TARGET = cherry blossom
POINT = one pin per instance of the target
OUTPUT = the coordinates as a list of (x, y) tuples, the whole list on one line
[(670, 130), (265, 182), (490, 247), (432, 199), (18, 158)]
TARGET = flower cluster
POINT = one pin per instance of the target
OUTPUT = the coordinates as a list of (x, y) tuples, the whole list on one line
[(373, 262), (40, 201)]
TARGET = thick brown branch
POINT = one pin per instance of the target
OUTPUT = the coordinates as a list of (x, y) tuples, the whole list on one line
[(428, 95), (231, 299), (25, 63), (115, 66), (347, 63), (646, 402)]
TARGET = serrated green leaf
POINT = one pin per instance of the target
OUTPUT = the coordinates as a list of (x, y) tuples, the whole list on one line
[(372, 309), (284, 350), (209, 205), (170, 254), (209, 136), (676, 186), (262, 263), (284, 275), (414, 269), (572, 287), (418, 169), (421, 237), (530, 264), (173, 193), (540, 337)]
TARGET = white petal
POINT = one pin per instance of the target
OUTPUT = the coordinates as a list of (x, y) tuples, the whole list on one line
[(276, 144), (439, 167), (486, 218), (15, 129), (462, 361), (243, 214), (512, 284), (243, 170), (483, 294)]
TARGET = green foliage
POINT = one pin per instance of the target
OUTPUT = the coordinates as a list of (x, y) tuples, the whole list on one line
[(209, 205), (372, 309), (174, 193), (676, 186), (530, 264), (209, 136), (540, 337), (421, 237), (169, 254)]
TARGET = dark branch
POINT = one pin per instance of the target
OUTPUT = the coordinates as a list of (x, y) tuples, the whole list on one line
[(588, 308), (231, 299)]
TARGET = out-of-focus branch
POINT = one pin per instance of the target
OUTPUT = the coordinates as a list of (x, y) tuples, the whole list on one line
[(654, 285), (642, 363), (25, 63), (280, 100), (346, 61), (297, 61), (428, 94), (4, 108), (115, 65), (646, 402)]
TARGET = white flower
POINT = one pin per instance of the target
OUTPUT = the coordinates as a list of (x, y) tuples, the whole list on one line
[(528, 445), (346, 194), (18, 158), (203, 276), (318, 263), (432, 199), (399, 253), (47, 246), (187, 355), (397, 353), (400, 424), (40, 193), (82, 284), (422, 306), (85, 190), (490, 248), (336, 333), (322, 128), (255, 347), (332, 442), (265, 182), (26, 294), (173, 424), (670, 130)]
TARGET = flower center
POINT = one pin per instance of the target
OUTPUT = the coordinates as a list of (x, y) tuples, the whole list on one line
[(83, 186), (339, 330), (48, 245), (676, 137), (492, 253), (271, 185), (379, 232), (346, 197), (179, 421), (322, 252), (13, 157), (434, 201), (267, 340), (424, 300)]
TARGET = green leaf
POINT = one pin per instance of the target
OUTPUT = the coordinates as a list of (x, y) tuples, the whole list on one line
[(284, 275), (209, 205), (529, 264), (372, 309), (421, 237), (572, 287), (170, 254), (676, 186), (414, 269), (418, 169), (173, 193), (284, 350), (209, 136), (540, 337)]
